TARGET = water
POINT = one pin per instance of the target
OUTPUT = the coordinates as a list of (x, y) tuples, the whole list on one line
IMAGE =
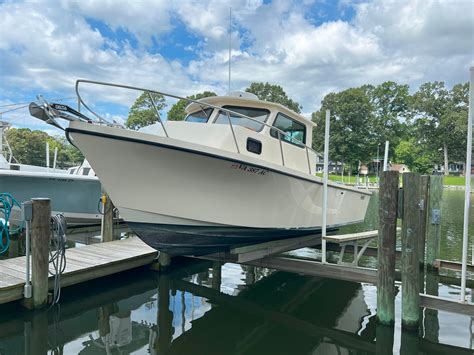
[(206, 308)]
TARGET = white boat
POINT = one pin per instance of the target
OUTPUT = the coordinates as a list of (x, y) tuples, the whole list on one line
[(237, 170), (74, 193)]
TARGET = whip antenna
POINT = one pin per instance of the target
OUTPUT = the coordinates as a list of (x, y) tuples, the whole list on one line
[(230, 39)]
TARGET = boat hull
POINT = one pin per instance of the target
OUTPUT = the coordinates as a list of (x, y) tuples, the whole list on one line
[(75, 197), (200, 190), (201, 240)]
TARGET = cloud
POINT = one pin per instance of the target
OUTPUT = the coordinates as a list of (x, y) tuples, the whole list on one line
[(45, 47)]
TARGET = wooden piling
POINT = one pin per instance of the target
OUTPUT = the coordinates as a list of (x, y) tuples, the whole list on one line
[(410, 251), (164, 260), (216, 275), (424, 194), (388, 201), (384, 339), (40, 237), (434, 220), (108, 227)]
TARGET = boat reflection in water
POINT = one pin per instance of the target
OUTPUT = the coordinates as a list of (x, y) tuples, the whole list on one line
[(204, 309)]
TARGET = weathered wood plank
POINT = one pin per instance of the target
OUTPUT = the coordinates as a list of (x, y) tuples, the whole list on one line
[(447, 305), (353, 236)]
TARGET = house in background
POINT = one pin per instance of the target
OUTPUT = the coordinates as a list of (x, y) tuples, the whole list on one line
[(334, 167), (401, 168), (454, 168)]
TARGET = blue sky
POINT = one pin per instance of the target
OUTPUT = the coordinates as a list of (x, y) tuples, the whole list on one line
[(310, 47)]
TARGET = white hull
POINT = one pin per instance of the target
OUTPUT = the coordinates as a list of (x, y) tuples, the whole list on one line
[(168, 181)]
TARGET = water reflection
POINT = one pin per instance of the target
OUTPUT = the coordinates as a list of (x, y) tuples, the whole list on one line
[(209, 308)]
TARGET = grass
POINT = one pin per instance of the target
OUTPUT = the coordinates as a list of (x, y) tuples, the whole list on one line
[(447, 180), (454, 180)]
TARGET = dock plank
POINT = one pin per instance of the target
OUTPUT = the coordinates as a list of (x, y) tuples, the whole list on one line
[(82, 264)]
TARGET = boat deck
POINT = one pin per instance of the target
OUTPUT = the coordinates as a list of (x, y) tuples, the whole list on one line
[(82, 264)]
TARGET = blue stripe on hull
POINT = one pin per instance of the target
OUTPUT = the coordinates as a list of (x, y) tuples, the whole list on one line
[(198, 240)]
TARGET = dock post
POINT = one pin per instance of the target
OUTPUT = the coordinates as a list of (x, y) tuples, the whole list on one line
[(388, 206), (424, 194), (384, 339), (434, 220), (410, 248), (164, 260), (40, 237), (108, 221)]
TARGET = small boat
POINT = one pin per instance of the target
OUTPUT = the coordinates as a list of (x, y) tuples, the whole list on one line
[(74, 192), (236, 171)]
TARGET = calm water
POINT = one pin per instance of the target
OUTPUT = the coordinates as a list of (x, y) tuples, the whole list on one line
[(205, 308)]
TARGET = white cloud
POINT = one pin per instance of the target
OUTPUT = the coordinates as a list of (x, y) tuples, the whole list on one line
[(47, 47)]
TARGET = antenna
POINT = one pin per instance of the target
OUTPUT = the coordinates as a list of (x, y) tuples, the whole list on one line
[(230, 39)]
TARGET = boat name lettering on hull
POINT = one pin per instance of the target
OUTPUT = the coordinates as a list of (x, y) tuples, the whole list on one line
[(250, 169)]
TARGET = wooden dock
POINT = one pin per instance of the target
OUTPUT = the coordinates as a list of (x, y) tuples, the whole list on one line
[(83, 264)]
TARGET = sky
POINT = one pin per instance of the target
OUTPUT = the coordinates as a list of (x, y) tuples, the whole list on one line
[(309, 47)]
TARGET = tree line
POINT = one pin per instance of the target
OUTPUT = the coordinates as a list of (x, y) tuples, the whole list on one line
[(29, 147), (424, 128)]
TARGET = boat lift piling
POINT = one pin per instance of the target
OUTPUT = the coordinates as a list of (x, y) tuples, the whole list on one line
[(467, 192), (387, 236), (411, 239), (325, 185), (434, 221)]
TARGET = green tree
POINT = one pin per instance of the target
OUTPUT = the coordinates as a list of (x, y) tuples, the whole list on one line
[(177, 111), (351, 117), (440, 117), (412, 154), (142, 112), (391, 108), (273, 93), (28, 147)]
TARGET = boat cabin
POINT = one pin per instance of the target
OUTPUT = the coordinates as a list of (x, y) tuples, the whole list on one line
[(260, 129)]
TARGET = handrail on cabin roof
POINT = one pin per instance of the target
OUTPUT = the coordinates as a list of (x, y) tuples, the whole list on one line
[(101, 119)]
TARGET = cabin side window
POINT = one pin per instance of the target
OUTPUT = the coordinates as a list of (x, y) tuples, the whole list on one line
[(201, 116), (258, 114), (295, 131)]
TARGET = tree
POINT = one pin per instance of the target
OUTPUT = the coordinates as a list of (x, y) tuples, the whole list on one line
[(431, 104), (273, 93), (391, 108), (29, 147), (351, 121), (177, 111), (142, 112), (412, 154)]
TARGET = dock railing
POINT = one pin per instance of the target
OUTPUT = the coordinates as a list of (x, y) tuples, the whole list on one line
[(203, 105)]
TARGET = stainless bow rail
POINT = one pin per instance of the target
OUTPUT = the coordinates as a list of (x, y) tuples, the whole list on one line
[(201, 104)]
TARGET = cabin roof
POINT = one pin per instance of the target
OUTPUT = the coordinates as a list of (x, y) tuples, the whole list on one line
[(248, 102)]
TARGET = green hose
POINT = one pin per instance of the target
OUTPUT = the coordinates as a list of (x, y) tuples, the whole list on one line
[(7, 202)]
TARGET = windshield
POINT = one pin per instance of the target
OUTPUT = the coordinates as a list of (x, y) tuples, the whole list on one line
[(201, 116), (258, 114)]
